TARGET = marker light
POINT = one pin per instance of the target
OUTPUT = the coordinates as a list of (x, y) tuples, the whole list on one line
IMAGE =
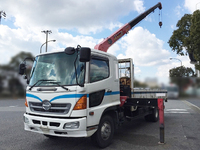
[(26, 120), (81, 104), (26, 103)]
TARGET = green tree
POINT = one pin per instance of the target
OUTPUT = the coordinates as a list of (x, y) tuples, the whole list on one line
[(181, 72), (16, 60), (139, 84), (180, 38), (15, 87), (186, 38), (181, 76), (13, 65), (10, 69), (195, 36)]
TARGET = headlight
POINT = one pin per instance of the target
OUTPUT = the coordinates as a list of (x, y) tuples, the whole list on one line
[(71, 125)]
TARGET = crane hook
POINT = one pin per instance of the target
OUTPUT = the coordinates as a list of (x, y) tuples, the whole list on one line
[(160, 24)]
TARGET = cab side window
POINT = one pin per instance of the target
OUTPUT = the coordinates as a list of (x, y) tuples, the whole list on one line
[(99, 69)]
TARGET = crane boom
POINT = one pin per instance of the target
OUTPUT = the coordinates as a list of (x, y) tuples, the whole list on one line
[(106, 43)]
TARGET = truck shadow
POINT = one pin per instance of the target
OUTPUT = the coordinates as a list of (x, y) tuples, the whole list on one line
[(65, 143), (133, 133), (138, 132)]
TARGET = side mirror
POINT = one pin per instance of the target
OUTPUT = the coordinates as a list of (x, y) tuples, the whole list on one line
[(22, 69), (85, 54)]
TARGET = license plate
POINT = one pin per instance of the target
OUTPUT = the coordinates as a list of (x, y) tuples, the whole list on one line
[(44, 129)]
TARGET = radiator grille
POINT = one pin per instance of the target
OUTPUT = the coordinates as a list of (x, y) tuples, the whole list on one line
[(56, 108)]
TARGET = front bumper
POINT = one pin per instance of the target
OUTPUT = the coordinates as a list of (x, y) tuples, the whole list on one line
[(54, 126)]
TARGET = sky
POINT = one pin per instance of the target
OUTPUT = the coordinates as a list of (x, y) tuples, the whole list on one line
[(88, 22)]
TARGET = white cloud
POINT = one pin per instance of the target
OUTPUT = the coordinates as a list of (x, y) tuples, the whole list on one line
[(85, 16), (143, 47), (67, 39), (26, 19), (112, 25), (178, 11), (137, 70), (172, 27), (192, 5), (114, 48), (139, 6), (163, 70), (12, 41)]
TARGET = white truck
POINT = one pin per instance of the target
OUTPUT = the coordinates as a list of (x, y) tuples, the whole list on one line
[(84, 92)]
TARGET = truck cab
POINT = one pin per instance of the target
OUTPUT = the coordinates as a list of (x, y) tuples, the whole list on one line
[(67, 97)]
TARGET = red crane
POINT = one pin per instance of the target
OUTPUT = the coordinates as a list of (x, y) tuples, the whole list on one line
[(106, 43)]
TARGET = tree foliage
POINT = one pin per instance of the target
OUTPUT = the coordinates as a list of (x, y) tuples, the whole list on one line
[(139, 84), (181, 76), (181, 37), (15, 87), (13, 65), (9, 75), (16, 60), (186, 38), (181, 72), (195, 35)]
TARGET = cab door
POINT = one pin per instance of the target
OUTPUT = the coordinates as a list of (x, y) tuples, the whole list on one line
[(99, 88)]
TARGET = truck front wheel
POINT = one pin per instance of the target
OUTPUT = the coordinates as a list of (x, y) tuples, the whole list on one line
[(105, 132)]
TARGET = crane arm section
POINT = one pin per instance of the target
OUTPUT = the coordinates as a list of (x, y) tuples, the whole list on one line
[(106, 43)]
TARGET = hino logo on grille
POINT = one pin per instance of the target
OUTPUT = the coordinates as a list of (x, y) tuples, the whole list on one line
[(46, 105)]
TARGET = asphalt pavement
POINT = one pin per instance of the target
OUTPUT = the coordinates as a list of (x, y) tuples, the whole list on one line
[(182, 131)]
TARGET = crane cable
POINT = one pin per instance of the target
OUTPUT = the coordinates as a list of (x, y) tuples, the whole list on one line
[(160, 18)]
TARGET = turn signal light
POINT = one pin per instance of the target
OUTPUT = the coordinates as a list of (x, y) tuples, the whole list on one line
[(81, 104), (26, 103)]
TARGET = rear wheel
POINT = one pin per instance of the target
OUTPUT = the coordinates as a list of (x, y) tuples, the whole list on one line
[(105, 132), (154, 116)]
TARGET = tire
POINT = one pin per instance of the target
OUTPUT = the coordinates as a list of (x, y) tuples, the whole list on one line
[(154, 116), (104, 135)]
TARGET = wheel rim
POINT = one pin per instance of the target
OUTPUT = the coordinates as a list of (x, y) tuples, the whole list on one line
[(105, 130), (156, 113)]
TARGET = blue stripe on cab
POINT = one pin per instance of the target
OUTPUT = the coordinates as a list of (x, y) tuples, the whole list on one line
[(57, 97), (112, 93), (67, 96), (33, 96)]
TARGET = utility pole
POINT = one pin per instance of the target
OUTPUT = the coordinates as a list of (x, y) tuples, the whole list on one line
[(47, 32), (2, 14)]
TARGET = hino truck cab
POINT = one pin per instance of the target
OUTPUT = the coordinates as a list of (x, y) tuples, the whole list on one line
[(70, 92)]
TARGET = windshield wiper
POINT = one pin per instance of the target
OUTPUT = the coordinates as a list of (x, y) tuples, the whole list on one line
[(60, 85), (42, 80)]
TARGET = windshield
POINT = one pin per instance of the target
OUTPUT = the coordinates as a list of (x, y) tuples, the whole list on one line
[(58, 68)]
